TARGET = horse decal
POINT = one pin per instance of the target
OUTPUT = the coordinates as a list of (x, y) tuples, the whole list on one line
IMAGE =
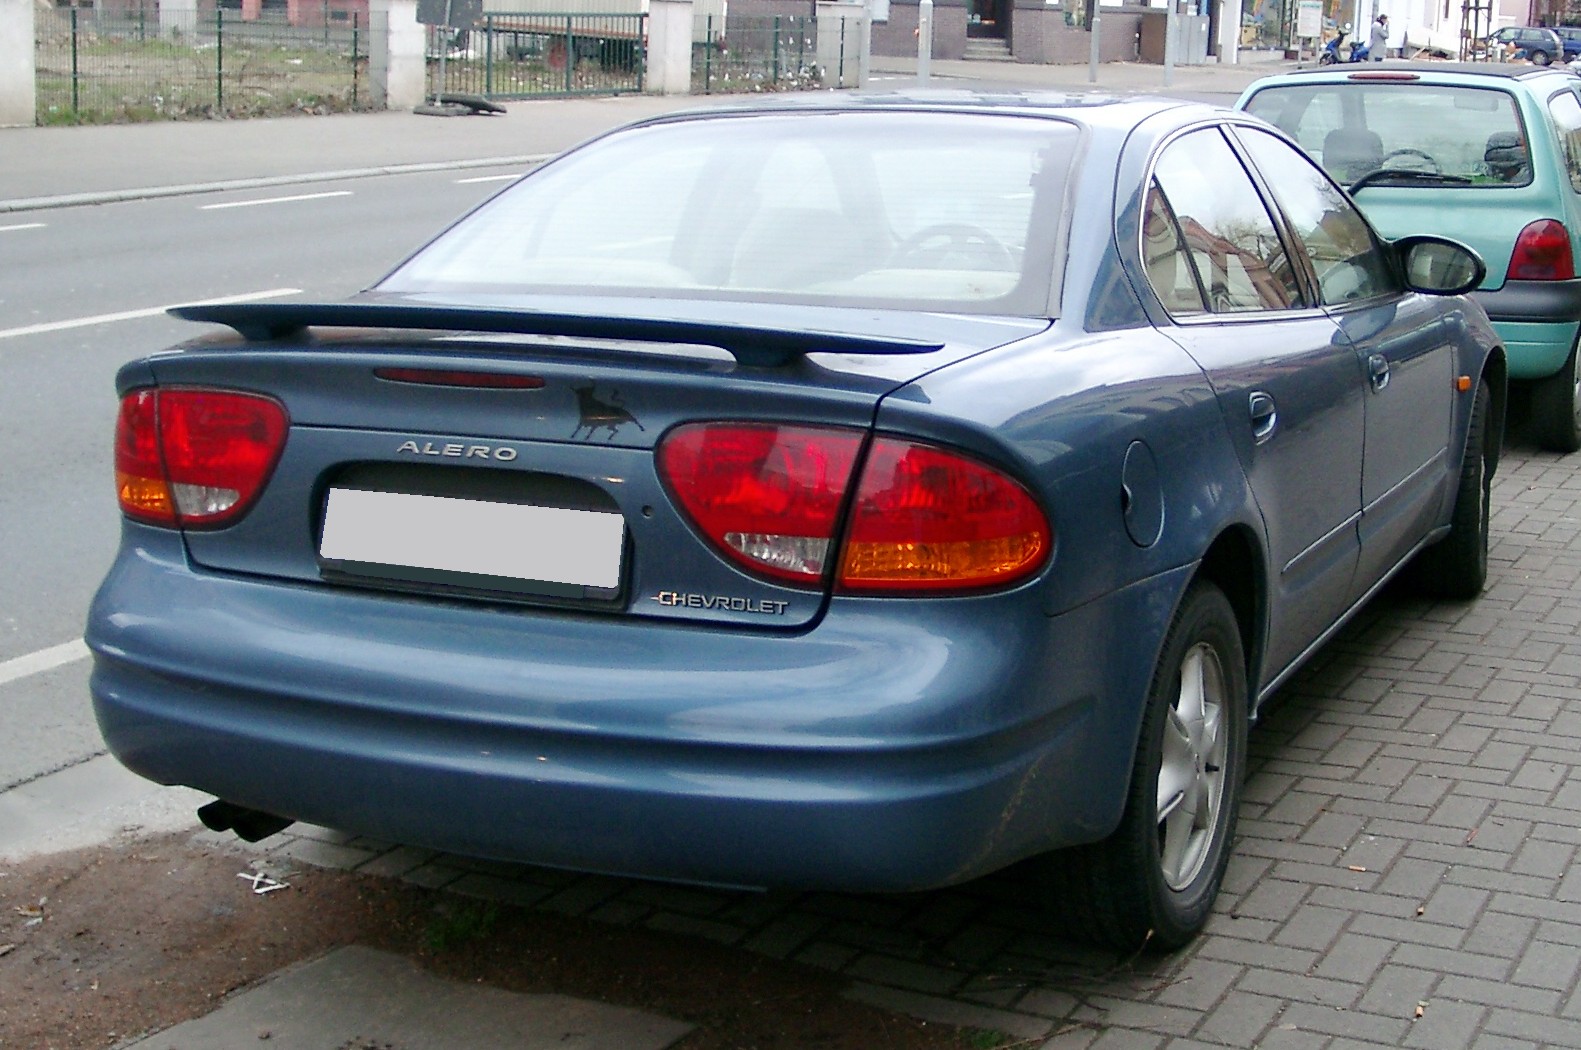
[(606, 413)]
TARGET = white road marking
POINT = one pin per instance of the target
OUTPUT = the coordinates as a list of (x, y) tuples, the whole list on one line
[(275, 200), (22, 226), (132, 315), (488, 178), (43, 660)]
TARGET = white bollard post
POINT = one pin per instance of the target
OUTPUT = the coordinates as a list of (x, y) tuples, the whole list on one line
[(669, 47), (18, 73), (924, 41), (1096, 54), (397, 63)]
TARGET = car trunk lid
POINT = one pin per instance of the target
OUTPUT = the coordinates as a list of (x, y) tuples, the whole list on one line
[(436, 451)]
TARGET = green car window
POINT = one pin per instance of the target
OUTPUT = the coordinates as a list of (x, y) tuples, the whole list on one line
[(1358, 127)]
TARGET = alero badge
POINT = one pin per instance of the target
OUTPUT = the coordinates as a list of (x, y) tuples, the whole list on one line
[(456, 450)]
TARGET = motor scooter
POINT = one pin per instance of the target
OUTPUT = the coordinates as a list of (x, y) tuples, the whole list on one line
[(1330, 53)]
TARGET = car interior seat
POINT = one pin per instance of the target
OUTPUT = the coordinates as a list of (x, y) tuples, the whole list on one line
[(1350, 153), (785, 248), (1505, 156)]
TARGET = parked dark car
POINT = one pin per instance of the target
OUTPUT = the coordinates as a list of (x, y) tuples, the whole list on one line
[(1570, 37), (1538, 45), (862, 493)]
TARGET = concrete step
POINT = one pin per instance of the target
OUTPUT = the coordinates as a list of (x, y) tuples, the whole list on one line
[(988, 50)]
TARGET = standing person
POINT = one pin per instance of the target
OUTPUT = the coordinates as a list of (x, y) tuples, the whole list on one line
[(1378, 41)]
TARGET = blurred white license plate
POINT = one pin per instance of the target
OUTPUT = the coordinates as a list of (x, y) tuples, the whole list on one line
[(440, 534)]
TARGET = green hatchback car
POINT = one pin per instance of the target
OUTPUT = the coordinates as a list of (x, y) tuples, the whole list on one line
[(1489, 155)]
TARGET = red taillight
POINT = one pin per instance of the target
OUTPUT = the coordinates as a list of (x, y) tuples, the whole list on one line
[(1542, 253), (768, 496), (924, 519), (928, 519), (195, 458)]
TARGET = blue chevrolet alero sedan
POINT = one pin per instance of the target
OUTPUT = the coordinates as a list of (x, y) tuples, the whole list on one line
[(861, 493)]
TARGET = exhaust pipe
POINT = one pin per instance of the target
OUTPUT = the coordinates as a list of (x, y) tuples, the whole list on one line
[(250, 825)]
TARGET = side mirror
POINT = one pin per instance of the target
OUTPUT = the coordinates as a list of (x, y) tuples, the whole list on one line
[(1438, 265)]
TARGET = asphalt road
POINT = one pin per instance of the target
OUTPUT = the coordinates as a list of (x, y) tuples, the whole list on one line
[(85, 291)]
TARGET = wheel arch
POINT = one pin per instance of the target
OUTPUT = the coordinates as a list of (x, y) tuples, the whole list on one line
[(1496, 371), (1234, 563)]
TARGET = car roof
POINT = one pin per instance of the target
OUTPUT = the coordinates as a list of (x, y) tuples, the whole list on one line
[(1093, 110), (1431, 72)]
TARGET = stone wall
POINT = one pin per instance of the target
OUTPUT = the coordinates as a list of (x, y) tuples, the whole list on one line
[(898, 36), (1039, 35)]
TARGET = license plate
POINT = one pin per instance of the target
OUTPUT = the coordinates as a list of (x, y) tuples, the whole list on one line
[(474, 543)]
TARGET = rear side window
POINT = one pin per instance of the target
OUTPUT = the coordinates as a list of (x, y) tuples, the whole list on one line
[(1566, 112), (1232, 247), (1357, 127)]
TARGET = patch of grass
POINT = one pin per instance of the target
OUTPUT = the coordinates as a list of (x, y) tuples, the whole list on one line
[(460, 922)]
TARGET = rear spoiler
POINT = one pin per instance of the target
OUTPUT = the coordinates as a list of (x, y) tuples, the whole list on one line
[(748, 344)]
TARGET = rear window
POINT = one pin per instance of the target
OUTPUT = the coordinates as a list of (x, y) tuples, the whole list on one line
[(904, 209), (1355, 128)]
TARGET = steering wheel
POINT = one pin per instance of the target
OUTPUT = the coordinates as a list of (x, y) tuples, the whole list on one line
[(1409, 151), (934, 246)]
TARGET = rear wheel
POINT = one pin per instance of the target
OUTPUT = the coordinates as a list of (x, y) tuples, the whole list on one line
[(1456, 567), (1153, 882), (1556, 406), (1539, 58)]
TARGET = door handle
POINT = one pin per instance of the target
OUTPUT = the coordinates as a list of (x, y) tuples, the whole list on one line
[(1378, 371), (1265, 416)]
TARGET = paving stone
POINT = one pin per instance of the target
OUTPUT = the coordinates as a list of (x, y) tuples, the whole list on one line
[(490, 887), (785, 935), (1314, 1017), (693, 926), (1555, 1031), (1313, 926), (1200, 985), (396, 863), (1394, 991), (1354, 955), (1445, 1025), (1448, 961), (1546, 965), (436, 874), (951, 1011), (826, 956), (1502, 935), (1302, 988)]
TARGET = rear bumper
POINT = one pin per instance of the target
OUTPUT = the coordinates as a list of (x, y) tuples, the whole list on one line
[(865, 754), (1537, 320)]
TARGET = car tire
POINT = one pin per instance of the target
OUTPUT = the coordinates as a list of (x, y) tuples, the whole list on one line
[(1456, 567), (1152, 883), (1539, 58), (1556, 406)]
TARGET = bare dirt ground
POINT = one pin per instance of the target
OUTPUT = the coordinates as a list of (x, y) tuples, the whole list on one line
[(103, 945)]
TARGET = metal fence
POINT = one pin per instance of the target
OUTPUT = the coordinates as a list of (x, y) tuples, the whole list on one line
[(509, 56), (133, 64), (765, 53)]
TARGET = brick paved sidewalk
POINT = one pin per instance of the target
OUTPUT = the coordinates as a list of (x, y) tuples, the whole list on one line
[(1403, 877)]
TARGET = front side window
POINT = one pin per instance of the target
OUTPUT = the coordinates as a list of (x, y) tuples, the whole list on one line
[(917, 210), (1427, 134), (1345, 257), (1234, 248)]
